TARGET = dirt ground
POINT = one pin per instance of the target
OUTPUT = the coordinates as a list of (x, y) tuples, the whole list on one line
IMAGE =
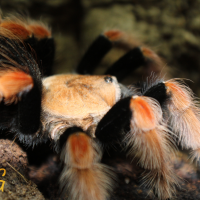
[(171, 28), (14, 160)]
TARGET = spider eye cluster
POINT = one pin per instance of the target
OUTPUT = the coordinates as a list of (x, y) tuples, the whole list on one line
[(108, 79)]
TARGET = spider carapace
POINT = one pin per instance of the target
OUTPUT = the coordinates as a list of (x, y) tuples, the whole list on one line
[(147, 120), (78, 100)]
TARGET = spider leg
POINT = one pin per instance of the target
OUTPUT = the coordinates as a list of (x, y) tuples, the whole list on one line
[(83, 176), (94, 54), (126, 64), (44, 46), (138, 122), (181, 110), (20, 87), (136, 56), (36, 35), (26, 53), (184, 113), (116, 120), (151, 142)]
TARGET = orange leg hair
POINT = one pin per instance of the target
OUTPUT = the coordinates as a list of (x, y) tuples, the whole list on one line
[(83, 177), (23, 29), (13, 84), (150, 142), (184, 116)]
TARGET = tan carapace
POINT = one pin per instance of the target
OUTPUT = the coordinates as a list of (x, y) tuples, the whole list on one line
[(76, 100)]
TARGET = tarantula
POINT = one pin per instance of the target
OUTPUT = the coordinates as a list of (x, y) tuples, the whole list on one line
[(82, 114)]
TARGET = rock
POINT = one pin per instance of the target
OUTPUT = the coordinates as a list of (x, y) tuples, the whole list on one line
[(17, 186)]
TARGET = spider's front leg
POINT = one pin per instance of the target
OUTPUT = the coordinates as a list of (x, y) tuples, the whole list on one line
[(21, 74), (20, 87), (138, 122), (83, 177)]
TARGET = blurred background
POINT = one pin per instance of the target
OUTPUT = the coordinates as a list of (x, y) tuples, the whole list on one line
[(171, 28)]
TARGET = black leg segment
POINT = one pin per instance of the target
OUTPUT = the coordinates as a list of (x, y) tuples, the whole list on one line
[(126, 64), (157, 91), (94, 54), (45, 51), (14, 55), (115, 122)]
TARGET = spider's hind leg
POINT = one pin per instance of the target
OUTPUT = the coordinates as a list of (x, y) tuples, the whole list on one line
[(137, 55)]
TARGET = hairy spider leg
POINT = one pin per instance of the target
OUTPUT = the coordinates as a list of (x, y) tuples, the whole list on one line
[(152, 144), (184, 116), (44, 47), (181, 110), (83, 176), (97, 50), (117, 119), (36, 35), (21, 73), (126, 64), (138, 122), (136, 56), (14, 83)]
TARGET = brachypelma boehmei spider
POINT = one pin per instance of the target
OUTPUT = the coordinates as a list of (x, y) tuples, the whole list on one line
[(82, 114)]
